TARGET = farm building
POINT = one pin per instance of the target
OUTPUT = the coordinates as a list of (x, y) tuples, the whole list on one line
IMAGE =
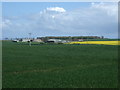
[(15, 40), (37, 40), (70, 38), (26, 40), (56, 41), (78, 40)]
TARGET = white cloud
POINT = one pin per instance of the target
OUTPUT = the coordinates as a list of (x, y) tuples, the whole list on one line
[(6, 23), (92, 3), (57, 9), (98, 19), (111, 9)]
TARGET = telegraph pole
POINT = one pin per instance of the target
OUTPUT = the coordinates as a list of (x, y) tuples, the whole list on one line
[(30, 39)]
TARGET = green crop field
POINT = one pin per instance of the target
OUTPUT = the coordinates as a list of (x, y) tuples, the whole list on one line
[(59, 66)]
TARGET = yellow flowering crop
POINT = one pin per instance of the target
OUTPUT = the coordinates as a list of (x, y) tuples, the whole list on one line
[(97, 42)]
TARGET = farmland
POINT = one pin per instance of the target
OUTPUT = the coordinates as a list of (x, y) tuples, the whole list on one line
[(97, 42), (59, 66)]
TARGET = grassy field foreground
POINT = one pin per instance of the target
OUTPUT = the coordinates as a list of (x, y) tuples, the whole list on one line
[(59, 66)]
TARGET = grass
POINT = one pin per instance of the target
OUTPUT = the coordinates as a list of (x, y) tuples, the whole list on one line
[(59, 66)]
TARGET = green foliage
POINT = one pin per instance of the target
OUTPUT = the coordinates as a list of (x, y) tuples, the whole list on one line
[(102, 40), (59, 66)]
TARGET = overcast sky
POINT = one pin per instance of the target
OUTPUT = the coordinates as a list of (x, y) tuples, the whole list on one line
[(59, 19)]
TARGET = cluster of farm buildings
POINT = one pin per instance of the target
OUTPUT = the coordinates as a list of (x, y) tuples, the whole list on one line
[(62, 39)]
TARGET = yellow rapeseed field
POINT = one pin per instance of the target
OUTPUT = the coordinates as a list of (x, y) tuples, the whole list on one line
[(97, 42)]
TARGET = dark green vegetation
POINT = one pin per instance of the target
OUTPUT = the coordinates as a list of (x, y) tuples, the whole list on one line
[(102, 40), (59, 66)]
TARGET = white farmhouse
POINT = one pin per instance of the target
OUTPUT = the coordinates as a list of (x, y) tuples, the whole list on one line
[(26, 40), (37, 40), (56, 41)]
